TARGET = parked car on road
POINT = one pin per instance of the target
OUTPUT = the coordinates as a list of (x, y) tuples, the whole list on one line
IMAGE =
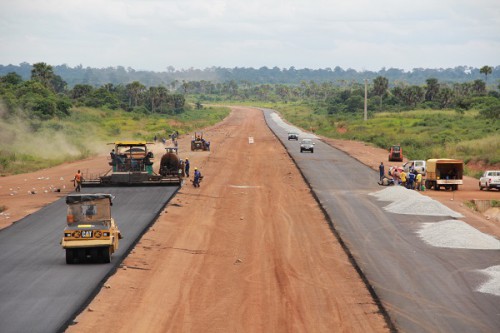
[(307, 145), (490, 179)]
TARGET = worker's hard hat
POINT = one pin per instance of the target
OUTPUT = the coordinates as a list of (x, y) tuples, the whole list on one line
[(187, 158), (196, 168)]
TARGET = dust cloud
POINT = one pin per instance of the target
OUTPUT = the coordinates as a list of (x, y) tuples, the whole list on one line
[(47, 140)]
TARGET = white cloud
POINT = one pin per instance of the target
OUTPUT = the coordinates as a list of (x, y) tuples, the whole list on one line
[(153, 34)]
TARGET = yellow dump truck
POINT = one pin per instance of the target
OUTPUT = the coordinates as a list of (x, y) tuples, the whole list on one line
[(91, 233), (444, 172)]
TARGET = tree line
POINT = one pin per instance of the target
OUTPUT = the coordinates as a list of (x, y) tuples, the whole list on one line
[(172, 78), (350, 97), (46, 95)]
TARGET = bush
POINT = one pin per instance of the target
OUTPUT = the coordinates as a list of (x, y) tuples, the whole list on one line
[(491, 112)]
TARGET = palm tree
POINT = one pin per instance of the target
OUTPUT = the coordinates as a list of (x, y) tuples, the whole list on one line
[(486, 70), (380, 85), (43, 73), (153, 97), (162, 97), (134, 89), (432, 89)]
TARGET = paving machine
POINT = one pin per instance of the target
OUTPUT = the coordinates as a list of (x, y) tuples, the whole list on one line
[(131, 164)]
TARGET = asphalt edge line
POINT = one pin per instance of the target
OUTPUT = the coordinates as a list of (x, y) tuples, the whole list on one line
[(383, 311), (115, 267)]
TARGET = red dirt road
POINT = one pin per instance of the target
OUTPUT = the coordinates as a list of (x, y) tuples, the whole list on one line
[(249, 250)]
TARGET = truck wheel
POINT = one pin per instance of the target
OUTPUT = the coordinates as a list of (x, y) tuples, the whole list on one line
[(70, 256), (106, 254)]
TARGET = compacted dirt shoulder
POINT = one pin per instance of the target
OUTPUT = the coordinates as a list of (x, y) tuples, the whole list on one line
[(21, 195), (248, 251)]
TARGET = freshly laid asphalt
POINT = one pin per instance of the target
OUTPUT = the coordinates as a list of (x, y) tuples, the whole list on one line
[(421, 288), (39, 292)]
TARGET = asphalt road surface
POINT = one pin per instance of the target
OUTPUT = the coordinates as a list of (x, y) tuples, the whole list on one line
[(422, 288), (39, 292)]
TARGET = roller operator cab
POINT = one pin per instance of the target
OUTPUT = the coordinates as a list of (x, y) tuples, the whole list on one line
[(91, 233)]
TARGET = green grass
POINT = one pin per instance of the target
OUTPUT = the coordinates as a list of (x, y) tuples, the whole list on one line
[(423, 134), (27, 145)]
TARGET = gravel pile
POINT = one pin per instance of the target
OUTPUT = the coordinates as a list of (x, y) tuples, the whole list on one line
[(492, 286), (394, 193), (411, 202), (456, 235)]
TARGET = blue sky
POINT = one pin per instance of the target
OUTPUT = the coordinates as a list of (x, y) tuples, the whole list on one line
[(155, 34)]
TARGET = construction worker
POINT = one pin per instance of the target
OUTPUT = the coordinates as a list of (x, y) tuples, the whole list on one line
[(410, 180), (197, 177), (381, 170), (186, 167), (403, 176), (418, 181), (77, 181)]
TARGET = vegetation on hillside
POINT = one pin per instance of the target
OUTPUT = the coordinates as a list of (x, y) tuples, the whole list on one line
[(42, 123), (460, 119)]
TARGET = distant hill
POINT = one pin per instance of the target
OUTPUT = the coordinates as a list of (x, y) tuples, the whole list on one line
[(264, 75)]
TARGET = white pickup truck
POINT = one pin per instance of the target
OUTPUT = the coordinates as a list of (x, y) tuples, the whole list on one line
[(490, 179)]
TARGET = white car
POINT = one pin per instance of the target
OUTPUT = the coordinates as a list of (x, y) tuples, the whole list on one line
[(418, 165), (490, 179)]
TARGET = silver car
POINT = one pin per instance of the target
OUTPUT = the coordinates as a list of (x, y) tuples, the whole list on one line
[(307, 145), (293, 136)]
